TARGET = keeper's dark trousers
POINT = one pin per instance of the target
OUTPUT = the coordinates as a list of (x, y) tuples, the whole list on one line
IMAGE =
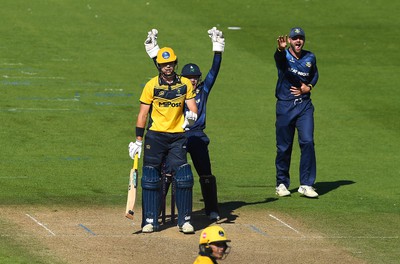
[(292, 115), (197, 146)]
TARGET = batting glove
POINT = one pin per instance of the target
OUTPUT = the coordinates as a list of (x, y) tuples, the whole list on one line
[(190, 119), (217, 39), (150, 43), (135, 148)]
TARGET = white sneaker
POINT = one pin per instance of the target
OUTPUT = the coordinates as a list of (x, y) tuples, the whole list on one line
[(281, 190), (187, 228), (148, 228), (214, 216), (308, 191)]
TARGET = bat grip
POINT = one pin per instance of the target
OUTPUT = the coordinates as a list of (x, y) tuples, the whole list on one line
[(135, 161)]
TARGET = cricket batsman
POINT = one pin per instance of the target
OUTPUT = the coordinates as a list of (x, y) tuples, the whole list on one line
[(162, 104), (198, 141)]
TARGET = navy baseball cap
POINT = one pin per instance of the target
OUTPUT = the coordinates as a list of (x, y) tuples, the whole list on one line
[(191, 69), (297, 31)]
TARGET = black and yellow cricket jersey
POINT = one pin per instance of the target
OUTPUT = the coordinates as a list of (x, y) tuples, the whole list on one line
[(167, 103)]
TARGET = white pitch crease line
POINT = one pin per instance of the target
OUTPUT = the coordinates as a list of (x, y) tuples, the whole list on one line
[(42, 225), (280, 221)]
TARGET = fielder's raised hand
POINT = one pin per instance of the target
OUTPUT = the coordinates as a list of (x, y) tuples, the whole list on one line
[(217, 39), (150, 43), (282, 42)]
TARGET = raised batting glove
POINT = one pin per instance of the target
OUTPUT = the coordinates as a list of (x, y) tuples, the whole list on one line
[(217, 39), (135, 147), (150, 43), (190, 119)]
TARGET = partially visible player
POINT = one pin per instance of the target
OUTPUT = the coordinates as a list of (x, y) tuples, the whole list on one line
[(297, 75), (213, 245), (198, 141), (162, 104)]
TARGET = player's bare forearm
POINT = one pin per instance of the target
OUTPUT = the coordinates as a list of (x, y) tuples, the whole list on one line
[(142, 117), (141, 121), (191, 104)]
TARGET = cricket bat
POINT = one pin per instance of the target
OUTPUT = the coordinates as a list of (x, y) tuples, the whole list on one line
[(132, 186)]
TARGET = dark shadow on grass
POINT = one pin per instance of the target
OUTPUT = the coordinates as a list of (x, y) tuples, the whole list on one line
[(325, 187)]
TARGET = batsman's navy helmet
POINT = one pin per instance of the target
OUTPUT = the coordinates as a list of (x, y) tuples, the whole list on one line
[(191, 69), (166, 55), (297, 31)]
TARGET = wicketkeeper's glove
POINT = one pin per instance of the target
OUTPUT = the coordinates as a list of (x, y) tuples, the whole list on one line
[(217, 39), (135, 148), (190, 119), (150, 43)]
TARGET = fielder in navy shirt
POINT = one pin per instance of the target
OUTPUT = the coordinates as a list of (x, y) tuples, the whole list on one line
[(297, 75)]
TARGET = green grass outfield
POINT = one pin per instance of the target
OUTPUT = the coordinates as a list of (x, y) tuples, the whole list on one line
[(72, 72)]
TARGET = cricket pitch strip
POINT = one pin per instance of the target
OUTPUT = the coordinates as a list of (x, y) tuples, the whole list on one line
[(104, 235)]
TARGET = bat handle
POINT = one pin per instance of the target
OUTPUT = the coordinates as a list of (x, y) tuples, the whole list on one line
[(135, 161)]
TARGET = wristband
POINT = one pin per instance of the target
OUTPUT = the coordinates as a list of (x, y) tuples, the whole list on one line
[(139, 131), (311, 86)]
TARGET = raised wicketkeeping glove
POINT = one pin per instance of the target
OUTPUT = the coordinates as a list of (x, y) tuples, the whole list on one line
[(217, 39), (135, 147), (190, 119), (150, 43)]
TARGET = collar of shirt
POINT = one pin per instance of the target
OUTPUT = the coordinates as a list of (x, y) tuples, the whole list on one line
[(176, 80)]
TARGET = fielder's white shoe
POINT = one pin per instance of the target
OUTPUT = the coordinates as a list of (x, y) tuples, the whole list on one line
[(214, 216), (282, 191), (148, 228), (308, 191), (187, 228)]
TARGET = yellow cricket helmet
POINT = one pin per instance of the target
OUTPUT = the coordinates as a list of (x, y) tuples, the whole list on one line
[(165, 55), (212, 234)]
